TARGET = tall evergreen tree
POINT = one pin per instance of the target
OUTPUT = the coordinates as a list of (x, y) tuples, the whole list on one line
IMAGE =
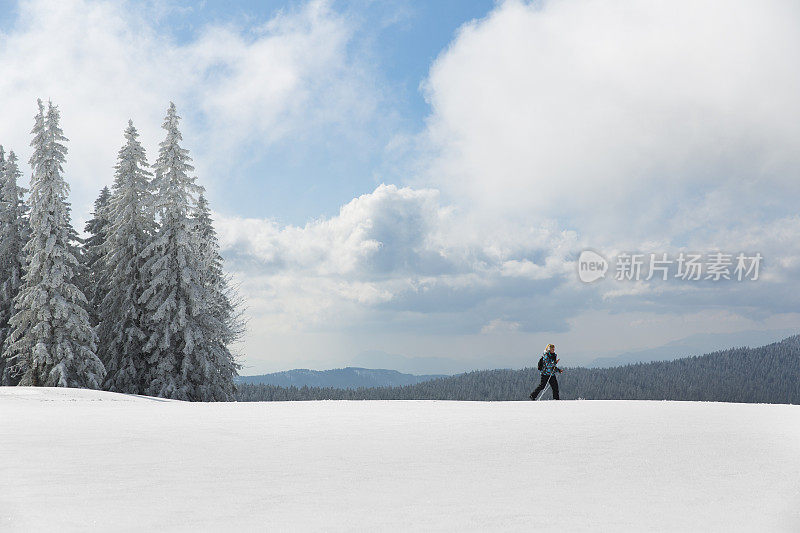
[(174, 296), (214, 364), (13, 236), (52, 342), (123, 329), (4, 314), (93, 250)]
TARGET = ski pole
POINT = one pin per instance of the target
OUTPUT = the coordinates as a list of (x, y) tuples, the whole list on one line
[(545, 388)]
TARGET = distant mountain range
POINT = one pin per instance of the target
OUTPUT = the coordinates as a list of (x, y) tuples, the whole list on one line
[(339, 378), (422, 365)]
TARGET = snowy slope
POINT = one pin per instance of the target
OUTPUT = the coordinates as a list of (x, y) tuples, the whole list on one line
[(78, 460)]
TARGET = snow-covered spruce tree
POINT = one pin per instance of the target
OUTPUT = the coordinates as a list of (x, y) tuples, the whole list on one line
[(221, 320), (174, 296), (80, 273), (13, 236), (93, 249), (4, 301), (52, 342), (123, 328)]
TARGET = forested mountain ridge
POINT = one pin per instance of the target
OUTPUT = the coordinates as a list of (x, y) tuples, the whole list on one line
[(342, 378), (767, 374)]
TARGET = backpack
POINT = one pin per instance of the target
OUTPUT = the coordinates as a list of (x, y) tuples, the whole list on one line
[(541, 362)]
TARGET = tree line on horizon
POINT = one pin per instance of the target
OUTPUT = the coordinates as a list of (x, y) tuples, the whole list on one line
[(768, 374), (140, 306)]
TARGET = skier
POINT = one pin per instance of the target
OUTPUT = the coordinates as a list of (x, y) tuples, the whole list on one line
[(548, 368)]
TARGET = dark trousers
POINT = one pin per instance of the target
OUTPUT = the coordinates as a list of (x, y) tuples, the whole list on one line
[(543, 384)]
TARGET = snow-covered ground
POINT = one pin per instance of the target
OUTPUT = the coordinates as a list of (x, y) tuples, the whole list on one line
[(85, 460)]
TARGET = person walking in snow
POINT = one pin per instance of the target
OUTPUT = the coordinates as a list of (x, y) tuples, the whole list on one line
[(548, 368)]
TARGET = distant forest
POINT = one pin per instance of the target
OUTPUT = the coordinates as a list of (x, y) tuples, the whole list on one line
[(768, 374)]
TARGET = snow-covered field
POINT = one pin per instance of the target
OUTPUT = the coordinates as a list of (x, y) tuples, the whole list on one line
[(85, 460)]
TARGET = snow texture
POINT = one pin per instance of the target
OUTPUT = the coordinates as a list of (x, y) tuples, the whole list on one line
[(91, 460)]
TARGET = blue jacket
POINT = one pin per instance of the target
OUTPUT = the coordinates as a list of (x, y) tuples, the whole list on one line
[(547, 364)]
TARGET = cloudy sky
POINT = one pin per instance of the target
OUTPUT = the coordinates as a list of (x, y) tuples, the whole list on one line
[(409, 184)]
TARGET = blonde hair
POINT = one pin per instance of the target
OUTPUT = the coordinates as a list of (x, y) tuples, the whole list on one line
[(549, 346)]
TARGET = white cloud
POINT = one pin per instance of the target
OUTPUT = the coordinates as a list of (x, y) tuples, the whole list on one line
[(399, 260), (393, 267), (644, 126), (501, 326), (629, 121), (638, 126), (292, 74), (106, 61), (641, 126), (373, 235), (388, 252)]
